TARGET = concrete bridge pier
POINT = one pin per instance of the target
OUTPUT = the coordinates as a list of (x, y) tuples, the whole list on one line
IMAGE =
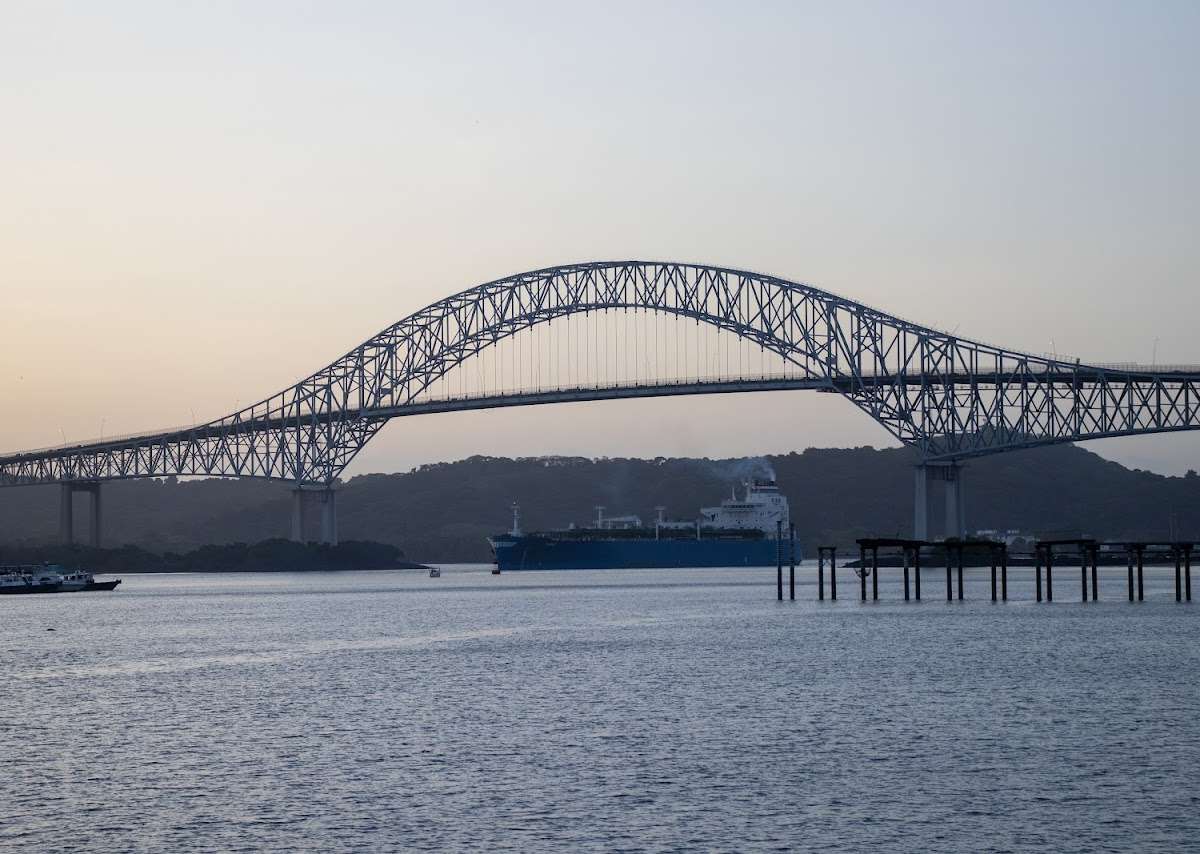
[(921, 504), (950, 474), (66, 511), (305, 498)]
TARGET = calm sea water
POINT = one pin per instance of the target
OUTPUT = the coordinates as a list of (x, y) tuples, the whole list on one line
[(621, 710)]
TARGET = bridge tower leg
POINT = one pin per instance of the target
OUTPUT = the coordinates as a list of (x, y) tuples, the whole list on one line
[(329, 534), (950, 474), (955, 521), (66, 514), (303, 499), (297, 515), (94, 489), (921, 504)]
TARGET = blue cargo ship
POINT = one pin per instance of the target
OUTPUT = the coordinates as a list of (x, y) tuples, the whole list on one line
[(740, 532)]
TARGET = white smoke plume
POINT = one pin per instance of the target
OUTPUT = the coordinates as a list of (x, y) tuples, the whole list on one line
[(744, 469)]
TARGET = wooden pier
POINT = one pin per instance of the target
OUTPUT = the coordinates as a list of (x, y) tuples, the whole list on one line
[(1047, 553)]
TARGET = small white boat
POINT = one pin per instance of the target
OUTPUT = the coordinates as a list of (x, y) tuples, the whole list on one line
[(434, 572)]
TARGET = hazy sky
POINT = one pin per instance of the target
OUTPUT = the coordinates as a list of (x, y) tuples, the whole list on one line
[(202, 202)]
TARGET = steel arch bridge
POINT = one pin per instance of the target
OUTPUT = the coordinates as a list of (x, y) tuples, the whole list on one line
[(950, 397)]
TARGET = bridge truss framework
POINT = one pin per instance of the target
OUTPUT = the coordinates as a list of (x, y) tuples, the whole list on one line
[(949, 397)]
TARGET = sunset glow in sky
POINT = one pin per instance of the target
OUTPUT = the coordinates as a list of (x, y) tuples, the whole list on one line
[(202, 203)]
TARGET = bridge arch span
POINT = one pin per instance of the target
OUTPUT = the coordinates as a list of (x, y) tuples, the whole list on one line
[(948, 396)]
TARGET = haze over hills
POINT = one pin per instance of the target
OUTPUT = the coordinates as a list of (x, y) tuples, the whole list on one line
[(445, 511)]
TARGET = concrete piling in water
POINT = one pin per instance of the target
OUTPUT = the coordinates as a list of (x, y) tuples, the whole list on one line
[(1141, 588), (1129, 567), (778, 560), (833, 574), (906, 574), (791, 561), (821, 574), (1094, 554), (1004, 573), (1083, 568), (862, 572), (875, 573)]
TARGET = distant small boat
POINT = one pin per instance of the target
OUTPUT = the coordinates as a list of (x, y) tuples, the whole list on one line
[(434, 572), (12, 582), (49, 578)]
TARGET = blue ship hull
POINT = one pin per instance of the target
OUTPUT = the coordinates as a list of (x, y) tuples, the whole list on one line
[(540, 552)]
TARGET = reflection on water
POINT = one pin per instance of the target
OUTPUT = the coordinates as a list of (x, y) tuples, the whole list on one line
[(663, 710)]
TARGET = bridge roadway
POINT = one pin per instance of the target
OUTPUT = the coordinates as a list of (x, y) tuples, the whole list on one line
[(950, 398), (578, 394)]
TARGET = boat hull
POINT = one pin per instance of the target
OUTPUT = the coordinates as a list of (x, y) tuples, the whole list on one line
[(102, 585), (20, 589), (537, 552)]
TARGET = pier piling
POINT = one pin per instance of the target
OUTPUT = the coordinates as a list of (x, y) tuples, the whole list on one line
[(1083, 568), (1037, 573), (1141, 589), (1093, 552), (1049, 574), (906, 574), (1004, 573), (778, 559), (992, 554), (1129, 567), (875, 573), (821, 574), (833, 574), (862, 572), (791, 561)]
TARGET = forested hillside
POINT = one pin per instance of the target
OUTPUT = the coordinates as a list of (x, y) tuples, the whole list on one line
[(444, 512)]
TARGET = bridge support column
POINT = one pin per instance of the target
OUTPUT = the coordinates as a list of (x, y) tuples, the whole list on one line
[(955, 526), (329, 533), (303, 499), (297, 515), (96, 529), (949, 474), (66, 512)]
